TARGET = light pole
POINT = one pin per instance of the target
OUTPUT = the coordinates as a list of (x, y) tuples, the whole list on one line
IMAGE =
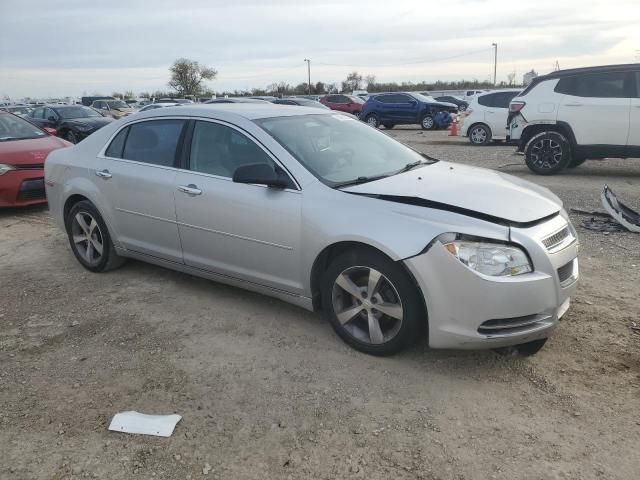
[(309, 75), (495, 63)]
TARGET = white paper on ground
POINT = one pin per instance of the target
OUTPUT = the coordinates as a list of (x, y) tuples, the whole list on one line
[(134, 422)]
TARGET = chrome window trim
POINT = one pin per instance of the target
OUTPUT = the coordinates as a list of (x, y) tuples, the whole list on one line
[(102, 152)]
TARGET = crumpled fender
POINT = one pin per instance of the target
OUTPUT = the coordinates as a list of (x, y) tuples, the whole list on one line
[(628, 218)]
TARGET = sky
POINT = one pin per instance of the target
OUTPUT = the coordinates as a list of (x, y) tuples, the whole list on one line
[(75, 47)]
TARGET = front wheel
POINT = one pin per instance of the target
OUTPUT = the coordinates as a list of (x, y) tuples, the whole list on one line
[(371, 302), (547, 153), (427, 122), (372, 120), (89, 238)]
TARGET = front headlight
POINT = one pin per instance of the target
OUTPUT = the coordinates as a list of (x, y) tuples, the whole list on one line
[(6, 168), (489, 257)]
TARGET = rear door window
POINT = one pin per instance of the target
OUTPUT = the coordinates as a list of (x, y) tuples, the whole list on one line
[(114, 150), (487, 100), (153, 142), (502, 99), (599, 85)]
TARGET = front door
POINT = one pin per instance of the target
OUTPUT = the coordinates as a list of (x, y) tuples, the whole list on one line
[(248, 232), (137, 175)]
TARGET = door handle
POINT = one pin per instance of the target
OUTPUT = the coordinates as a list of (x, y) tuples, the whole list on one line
[(572, 104), (190, 189), (103, 174)]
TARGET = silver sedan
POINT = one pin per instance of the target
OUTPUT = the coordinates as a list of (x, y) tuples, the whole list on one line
[(318, 209)]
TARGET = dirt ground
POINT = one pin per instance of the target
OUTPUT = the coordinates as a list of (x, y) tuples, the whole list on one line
[(267, 390)]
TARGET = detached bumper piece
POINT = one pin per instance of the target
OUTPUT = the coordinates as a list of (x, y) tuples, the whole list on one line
[(624, 215), (32, 190)]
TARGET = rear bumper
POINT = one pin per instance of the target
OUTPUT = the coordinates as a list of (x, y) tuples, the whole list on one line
[(22, 188), (467, 310)]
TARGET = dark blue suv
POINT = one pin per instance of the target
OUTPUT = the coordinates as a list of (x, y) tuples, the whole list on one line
[(405, 108)]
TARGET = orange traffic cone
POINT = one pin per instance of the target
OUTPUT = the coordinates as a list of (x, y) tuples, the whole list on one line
[(454, 128)]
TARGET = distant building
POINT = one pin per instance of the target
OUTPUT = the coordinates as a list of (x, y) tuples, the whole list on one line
[(527, 77)]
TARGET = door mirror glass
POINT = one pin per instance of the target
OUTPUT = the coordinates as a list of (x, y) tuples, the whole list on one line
[(260, 174)]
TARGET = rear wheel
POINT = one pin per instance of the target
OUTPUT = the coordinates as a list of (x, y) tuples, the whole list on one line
[(372, 120), (371, 302), (547, 153), (480, 135), (89, 238), (427, 122)]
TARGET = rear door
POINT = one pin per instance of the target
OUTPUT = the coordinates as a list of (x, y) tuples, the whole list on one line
[(248, 232), (497, 112), (596, 106), (136, 174)]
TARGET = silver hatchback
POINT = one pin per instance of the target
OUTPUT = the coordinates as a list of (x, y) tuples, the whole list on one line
[(318, 209)]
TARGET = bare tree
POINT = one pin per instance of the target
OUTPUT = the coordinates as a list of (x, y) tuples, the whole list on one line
[(353, 82), (187, 76), (129, 94), (117, 95), (370, 81)]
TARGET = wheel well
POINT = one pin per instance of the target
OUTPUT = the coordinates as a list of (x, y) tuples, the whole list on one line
[(532, 130), (71, 201), (324, 258)]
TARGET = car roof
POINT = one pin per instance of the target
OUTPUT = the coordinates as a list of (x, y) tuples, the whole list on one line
[(597, 69), (231, 111)]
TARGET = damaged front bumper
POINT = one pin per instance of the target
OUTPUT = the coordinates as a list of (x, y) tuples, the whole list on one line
[(469, 310), (625, 216)]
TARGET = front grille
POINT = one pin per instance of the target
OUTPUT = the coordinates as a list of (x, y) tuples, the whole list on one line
[(503, 326), (565, 273), (556, 239)]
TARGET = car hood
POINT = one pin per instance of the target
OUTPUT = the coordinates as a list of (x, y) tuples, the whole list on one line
[(472, 191), (95, 122), (29, 151)]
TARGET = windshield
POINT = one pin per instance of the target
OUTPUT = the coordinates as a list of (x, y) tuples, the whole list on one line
[(339, 149), (117, 104), (310, 103), (355, 99), (77, 112), (15, 128)]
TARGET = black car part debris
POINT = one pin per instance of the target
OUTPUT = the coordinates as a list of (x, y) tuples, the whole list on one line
[(627, 217)]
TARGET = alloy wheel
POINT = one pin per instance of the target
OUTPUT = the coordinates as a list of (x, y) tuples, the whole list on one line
[(478, 135), (546, 153), (87, 238), (372, 121), (427, 122), (367, 305)]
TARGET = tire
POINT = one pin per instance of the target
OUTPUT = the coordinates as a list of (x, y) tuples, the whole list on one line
[(523, 350), (479, 134), (547, 153), (427, 122), (91, 226), (373, 120), (576, 162), (462, 108), (71, 137), (365, 327), (389, 126)]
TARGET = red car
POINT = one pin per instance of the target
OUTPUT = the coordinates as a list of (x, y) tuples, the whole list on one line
[(344, 103), (23, 149)]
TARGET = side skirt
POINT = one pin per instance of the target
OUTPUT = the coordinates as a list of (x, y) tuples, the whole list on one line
[(300, 301)]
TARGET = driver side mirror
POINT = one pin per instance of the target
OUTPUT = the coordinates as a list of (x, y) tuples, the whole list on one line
[(259, 174)]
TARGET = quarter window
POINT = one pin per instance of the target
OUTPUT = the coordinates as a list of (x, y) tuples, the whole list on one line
[(487, 100), (153, 142)]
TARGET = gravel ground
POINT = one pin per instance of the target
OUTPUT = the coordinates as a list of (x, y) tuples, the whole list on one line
[(268, 391)]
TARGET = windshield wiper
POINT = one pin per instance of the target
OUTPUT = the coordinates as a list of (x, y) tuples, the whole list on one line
[(411, 166)]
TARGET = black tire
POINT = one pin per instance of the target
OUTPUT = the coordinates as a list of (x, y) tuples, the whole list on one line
[(479, 134), (523, 350), (109, 259), (576, 162), (427, 122), (70, 136), (547, 153), (462, 108), (389, 126), (400, 286), (372, 120)]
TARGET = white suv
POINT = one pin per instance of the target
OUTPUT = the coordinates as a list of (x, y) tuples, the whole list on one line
[(486, 117), (563, 118)]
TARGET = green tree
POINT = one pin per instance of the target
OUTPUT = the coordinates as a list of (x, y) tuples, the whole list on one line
[(187, 76)]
